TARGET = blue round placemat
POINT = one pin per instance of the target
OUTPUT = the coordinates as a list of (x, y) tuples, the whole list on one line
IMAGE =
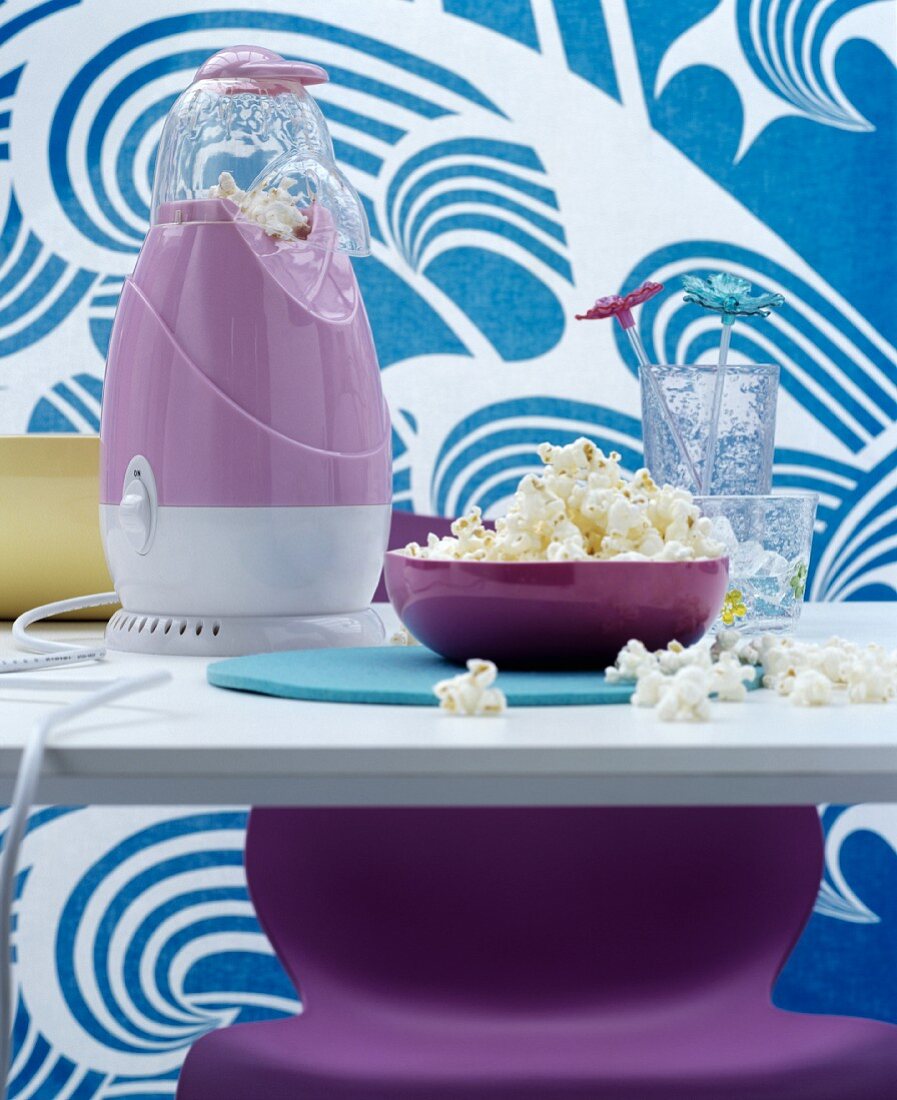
[(402, 675)]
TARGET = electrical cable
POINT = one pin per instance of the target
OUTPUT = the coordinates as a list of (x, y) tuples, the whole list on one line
[(51, 653), (48, 654), (23, 797)]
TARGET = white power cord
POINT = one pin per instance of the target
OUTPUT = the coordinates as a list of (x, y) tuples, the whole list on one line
[(51, 653), (54, 653)]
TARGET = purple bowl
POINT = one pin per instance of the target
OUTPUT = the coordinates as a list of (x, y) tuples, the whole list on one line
[(553, 614)]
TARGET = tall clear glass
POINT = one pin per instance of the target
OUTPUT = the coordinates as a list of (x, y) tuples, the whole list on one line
[(676, 408)]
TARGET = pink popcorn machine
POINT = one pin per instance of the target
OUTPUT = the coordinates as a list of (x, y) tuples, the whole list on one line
[(245, 440)]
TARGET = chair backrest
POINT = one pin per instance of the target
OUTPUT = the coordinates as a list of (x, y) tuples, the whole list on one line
[(410, 527), (514, 907)]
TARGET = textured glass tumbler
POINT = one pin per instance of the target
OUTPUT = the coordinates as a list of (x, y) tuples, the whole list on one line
[(768, 541), (677, 401)]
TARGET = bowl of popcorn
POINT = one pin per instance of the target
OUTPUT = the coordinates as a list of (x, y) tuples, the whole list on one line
[(585, 559)]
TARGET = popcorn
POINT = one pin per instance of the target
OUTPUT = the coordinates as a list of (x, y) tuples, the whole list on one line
[(649, 688), (675, 551), (869, 673), (675, 680), (729, 679), (685, 697), (677, 656), (633, 661), (869, 682), (748, 650), (833, 659), (471, 692), (581, 507), (781, 657), (226, 188), (536, 523), (403, 637), (806, 673), (783, 682), (810, 688), (469, 540), (275, 209), (581, 460), (679, 680)]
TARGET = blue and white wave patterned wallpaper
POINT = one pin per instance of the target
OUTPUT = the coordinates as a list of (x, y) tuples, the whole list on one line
[(517, 158)]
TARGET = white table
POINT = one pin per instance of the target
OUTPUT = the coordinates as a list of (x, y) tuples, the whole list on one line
[(189, 743)]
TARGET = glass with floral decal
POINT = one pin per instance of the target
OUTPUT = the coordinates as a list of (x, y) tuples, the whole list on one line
[(768, 540)]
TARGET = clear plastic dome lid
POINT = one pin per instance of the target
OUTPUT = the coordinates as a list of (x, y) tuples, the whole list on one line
[(245, 126)]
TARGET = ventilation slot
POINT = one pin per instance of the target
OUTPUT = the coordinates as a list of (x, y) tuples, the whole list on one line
[(188, 629)]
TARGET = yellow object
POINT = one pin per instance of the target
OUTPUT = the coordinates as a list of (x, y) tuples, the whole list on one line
[(733, 607), (50, 546)]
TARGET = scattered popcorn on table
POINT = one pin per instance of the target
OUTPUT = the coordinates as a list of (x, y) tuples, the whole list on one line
[(403, 636), (685, 697), (810, 688), (746, 648), (807, 673), (676, 656), (275, 210), (649, 686), (582, 507), (632, 660), (783, 682), (869, 682), (868, 673), (471, 692), (832, 660), (729, 679)]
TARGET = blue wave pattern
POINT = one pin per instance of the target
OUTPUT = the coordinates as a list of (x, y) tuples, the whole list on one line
[(126, 224), (174, 947), (496, 205), (38, 288), (71, 405), (853, 925), (404, 429), (785, 44), (8, 84), (475, 266)]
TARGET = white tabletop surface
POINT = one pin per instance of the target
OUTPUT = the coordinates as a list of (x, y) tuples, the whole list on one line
[(189, 743)]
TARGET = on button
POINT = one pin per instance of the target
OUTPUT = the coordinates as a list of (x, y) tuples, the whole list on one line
[(135, 514)]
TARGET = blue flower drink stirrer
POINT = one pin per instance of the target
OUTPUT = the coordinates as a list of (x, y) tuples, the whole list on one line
[(620, 307), (729, 296)]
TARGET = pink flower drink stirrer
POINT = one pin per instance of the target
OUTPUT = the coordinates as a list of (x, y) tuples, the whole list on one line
[(620, 307)]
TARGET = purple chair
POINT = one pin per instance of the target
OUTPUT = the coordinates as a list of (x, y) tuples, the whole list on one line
[(543, 953), (411, 527)]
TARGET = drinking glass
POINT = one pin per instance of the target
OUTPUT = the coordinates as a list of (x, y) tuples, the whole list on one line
[(676, 408), (768, 541)]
